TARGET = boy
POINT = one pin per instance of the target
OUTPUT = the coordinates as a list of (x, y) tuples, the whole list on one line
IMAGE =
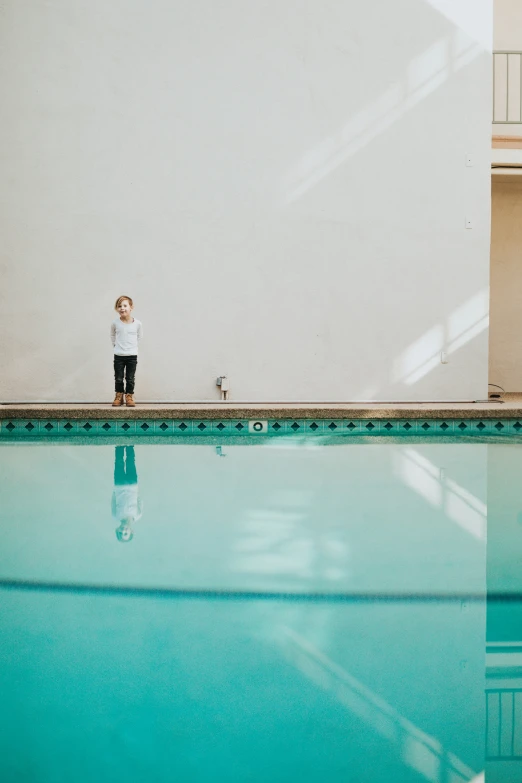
[(126, 503), (125, 333)]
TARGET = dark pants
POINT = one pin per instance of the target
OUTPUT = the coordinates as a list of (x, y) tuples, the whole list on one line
[(124, 469), (125, 365)]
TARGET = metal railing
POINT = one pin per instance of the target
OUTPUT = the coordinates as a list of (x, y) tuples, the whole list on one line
[(504, 724), (507, 88)]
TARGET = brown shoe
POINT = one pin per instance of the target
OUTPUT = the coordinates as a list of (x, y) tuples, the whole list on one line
[(118, 400), (129, 401)]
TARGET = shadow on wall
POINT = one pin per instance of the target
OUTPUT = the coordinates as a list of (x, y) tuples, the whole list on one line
[(462, 326), (422, 76)]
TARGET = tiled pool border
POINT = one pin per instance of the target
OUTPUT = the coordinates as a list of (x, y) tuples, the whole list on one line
[(51, 428)]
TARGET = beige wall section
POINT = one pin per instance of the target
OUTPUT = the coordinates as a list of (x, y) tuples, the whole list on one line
[(507, 36), (507, 29), (281, 186), (505, 350)]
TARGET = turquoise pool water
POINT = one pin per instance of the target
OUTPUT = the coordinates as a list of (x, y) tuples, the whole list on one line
[(289, 609)]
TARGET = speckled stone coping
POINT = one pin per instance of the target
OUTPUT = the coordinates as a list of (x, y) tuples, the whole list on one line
[(482, 410)]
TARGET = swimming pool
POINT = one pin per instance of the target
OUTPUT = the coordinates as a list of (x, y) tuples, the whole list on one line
[(300, 607)]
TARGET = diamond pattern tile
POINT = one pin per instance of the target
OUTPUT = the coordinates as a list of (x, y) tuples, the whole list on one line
[(393, 427)]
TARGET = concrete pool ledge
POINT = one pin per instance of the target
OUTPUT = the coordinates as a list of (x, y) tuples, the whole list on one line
[(510, 408)]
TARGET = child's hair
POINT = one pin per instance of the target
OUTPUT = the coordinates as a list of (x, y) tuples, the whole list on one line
[(120, 299), (119, 535)]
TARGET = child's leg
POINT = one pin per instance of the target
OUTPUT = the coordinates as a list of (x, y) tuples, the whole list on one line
[(132, 362), (130, 466), (119, 466), (119, 367)]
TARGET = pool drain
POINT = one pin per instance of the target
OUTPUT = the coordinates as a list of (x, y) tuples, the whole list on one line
[(258, 427)]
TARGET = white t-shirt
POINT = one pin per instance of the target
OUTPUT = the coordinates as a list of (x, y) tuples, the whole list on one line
[(126, 503), (125, 337)]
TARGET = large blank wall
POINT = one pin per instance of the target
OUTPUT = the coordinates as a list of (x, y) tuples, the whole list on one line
[(281, 186)]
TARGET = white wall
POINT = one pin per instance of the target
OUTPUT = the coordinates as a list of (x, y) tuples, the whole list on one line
[(280, 186)]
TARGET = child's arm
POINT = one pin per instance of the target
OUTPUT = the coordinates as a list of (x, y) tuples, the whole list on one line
[(140, 331), (113, 334)]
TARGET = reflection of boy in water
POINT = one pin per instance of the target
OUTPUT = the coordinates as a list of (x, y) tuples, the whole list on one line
[(126, 504)]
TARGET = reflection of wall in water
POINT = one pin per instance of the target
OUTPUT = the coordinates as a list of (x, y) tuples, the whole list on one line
[(383, 681), (283, 515), (504, 620)]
